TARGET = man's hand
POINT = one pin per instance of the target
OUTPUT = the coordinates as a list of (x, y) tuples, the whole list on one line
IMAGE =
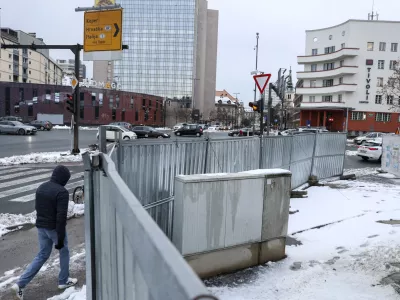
[(59, 245)]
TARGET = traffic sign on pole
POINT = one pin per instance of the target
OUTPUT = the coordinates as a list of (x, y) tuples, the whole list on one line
[(74, 82), (102, 30), (262, 81)]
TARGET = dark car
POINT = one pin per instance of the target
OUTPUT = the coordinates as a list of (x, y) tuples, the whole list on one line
[(190, 129), (122, 124), (148, 132), (42, 125), (242, 132)]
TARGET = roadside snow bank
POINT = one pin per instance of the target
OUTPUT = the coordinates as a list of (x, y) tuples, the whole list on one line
[(71, 294), (351, 153), (64, 127), (12, 222), (162, 128)]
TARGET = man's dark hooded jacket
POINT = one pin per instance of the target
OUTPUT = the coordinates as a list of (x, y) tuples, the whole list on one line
[(52, 202)]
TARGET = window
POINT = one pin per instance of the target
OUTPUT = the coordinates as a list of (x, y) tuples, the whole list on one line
[(30, 110), (382, 46), (393, 48), (329, 49), (370, 46), (136, 115), (314, 52), (123, 115), (330, 37), (93, 99), (392, 64), (34, 93), (342, 63), (131, 104), (155, 116), (391, 82), (113, 114), (389, 100), (369, 62), (117, 101), (149, 103), (144, 102), (382, 117), (313, 67), (340, 98), (326, 98), (329, 66), (378, 99), (358, 116), (82, 112), (289, 96), (343, 45), (381, 64), (340, 80), (111, 102), (9, 66), (313, 83), (312, 98), (9, 55), (96, 112), (21, 94), (100, 99), (379, 82), (327, 82), (156, 104)]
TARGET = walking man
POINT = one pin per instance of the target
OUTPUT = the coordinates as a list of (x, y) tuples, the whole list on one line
[(51, 209)]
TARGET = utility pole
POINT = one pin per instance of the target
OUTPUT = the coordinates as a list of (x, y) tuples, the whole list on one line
[(255, 85)]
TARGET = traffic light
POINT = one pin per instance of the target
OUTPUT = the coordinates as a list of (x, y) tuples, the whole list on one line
[(330, 119), (70, 103), (256, 106)]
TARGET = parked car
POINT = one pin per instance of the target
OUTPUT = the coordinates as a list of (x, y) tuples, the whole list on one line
[(11, 118), (369, 136), (42, 125), (122, 124), (112, 130), (190, 129), (148, 132), (371, 149), (179, 125), (15, 127), (287, 132), (242, 132)]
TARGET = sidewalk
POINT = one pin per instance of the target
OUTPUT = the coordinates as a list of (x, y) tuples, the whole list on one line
[(345, 239), (17, 249)]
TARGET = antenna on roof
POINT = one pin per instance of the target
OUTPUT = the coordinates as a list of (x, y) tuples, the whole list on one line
[(372, 15)]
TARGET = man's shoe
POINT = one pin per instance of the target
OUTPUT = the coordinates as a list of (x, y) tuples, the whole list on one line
[(17, 292), (70, 282)]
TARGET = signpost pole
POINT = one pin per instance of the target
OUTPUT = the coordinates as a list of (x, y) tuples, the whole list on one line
[(75, 149), (262, 129)]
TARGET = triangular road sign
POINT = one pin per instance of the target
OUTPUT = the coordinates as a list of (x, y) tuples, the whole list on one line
[(74, 82), (398, 131), (262, 81)]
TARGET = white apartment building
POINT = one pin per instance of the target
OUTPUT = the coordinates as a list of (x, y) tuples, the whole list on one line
[(26, 65), (68, 68), (345, 68)]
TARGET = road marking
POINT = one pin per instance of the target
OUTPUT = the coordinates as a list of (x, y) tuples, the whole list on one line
[(30, 187), (23, 173), (31, 197), (8, 167), (25, 180), (4, 171)]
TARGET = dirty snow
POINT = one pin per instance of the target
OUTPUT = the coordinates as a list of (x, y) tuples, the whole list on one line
[(351, 153), (38, 158), (71, 293), (344, 260), (17, 221), (361, 172), (64, 127)]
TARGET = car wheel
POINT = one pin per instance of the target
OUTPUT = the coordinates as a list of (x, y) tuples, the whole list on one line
[(235, 135), (48, 129), (365, 158), (21, 131), (160, 137), (178, 133), (146, 135), (127, 138), (198, 134), (41, 128)]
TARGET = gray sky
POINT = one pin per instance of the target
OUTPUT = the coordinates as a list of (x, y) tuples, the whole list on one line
[(281, 25)]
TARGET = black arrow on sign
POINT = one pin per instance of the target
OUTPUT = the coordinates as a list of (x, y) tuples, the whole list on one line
[(116, 29)]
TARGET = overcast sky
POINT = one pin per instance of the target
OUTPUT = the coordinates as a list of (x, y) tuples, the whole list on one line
[(281, 25)]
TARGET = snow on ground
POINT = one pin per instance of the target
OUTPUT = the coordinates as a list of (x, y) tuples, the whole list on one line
[(64, 127), (12, 222), (38, 158), (361, 172), (162, 128), (351, 153), (71, 294), (344, 260)]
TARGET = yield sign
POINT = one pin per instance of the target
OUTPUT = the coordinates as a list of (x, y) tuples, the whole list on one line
[(262, 81)]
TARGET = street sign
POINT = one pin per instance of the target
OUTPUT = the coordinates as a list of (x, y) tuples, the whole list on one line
[(398, 131), (262, 81), (74, 82), (102, 30)]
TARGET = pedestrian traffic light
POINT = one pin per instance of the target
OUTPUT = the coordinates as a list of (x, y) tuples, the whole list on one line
[(330, 119), (256, 106), (70, 103)]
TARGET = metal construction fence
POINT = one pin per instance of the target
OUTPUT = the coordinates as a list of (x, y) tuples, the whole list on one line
[(127, 254), (149, 167)]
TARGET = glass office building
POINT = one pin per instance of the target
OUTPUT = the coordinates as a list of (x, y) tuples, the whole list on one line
[(161, 59)]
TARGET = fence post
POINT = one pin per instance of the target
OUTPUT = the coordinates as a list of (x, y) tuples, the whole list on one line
[(119, 152), (291, 152), (344, 154), (206, 155), (313, 155), (260, 163), (103, 139)]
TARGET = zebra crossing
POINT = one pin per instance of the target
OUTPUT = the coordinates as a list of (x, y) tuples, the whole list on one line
[(18, 185)]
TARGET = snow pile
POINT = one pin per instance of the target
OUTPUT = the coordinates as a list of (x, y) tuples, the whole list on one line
[(65, 127), (38, 158), (345, 250), (351, 153), (71, 294), (361, 172), (12, 222), (163, 128)]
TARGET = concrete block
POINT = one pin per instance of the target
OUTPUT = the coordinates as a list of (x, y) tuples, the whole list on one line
[(272, 250)]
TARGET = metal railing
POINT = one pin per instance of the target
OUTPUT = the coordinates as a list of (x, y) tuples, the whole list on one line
[(149, 167), (127, 255)]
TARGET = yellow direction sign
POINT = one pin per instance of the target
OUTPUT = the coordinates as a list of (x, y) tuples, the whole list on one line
[(74, 82), (103, 30)]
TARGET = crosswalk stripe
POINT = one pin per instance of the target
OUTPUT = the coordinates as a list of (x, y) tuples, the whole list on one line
[(22, 173), (30, 187), (31, 197), (8, 167), (13, 170), (25, 180)]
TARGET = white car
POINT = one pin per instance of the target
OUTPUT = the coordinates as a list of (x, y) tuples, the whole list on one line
[(112, 130), (370, 136), (371, 149), (179, 125)]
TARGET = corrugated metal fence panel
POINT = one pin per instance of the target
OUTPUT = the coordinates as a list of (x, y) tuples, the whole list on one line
[(390, 154), (329, 155), (302, 149), (276, 152), (129, 247), (233, 155)]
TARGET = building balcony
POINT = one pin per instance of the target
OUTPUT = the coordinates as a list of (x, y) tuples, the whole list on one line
[(338, 55), (322, 105), (334, 89), (344, 70)]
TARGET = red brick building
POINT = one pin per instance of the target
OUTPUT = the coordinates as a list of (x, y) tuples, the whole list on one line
[(97, 106)]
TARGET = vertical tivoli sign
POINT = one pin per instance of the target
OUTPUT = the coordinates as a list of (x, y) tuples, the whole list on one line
[(368, 86)]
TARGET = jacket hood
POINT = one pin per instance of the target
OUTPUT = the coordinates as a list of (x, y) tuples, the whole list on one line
[(61, 175)]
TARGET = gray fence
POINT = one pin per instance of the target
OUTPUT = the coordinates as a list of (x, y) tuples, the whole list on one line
[(149, 166), (127, 255)]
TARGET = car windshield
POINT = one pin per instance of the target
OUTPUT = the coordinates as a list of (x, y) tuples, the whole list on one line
[(17, 123), (371, 135), (123, 128)]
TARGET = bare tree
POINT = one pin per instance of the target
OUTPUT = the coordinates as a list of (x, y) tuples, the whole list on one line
[(391, 90)]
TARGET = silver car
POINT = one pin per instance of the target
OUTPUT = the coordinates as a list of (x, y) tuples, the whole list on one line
[(15, 127)]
